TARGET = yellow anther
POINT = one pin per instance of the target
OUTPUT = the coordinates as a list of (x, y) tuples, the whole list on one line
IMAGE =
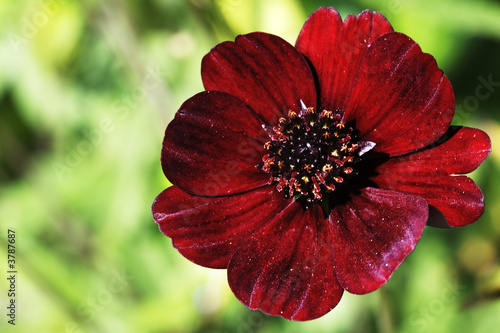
[(327, 168), (348, 170), (338, 179), (308, 167)]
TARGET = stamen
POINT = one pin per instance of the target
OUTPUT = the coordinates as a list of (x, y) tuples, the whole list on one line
[(316, 190), (338, 179), (311, 153), (348, 170)]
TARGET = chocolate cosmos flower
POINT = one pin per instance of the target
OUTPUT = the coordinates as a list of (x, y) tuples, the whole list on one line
[(310, 170)]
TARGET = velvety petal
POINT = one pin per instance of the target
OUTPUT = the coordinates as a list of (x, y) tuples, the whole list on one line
[(264, 71), (401, 100), (286, 268), (207, 231), (461, 150), (457, 197), (213, 145), (372, 234), (335, 49), (427, 174)]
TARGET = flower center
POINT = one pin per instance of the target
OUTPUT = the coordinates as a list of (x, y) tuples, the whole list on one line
[(311, 153)]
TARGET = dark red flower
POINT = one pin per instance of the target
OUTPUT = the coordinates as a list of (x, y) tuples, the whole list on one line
[(310, 170)]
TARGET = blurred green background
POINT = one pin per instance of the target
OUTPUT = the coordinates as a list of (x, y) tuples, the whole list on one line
[(86, 91)]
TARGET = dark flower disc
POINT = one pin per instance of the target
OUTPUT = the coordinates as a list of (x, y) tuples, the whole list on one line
[(311, 153)]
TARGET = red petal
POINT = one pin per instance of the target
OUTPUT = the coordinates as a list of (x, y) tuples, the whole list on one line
[(336, 49), (213, 145), (427, 174), (372, 234), (286, 269), (401, 100), (264, 71), (207, 231), (461, 150)]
